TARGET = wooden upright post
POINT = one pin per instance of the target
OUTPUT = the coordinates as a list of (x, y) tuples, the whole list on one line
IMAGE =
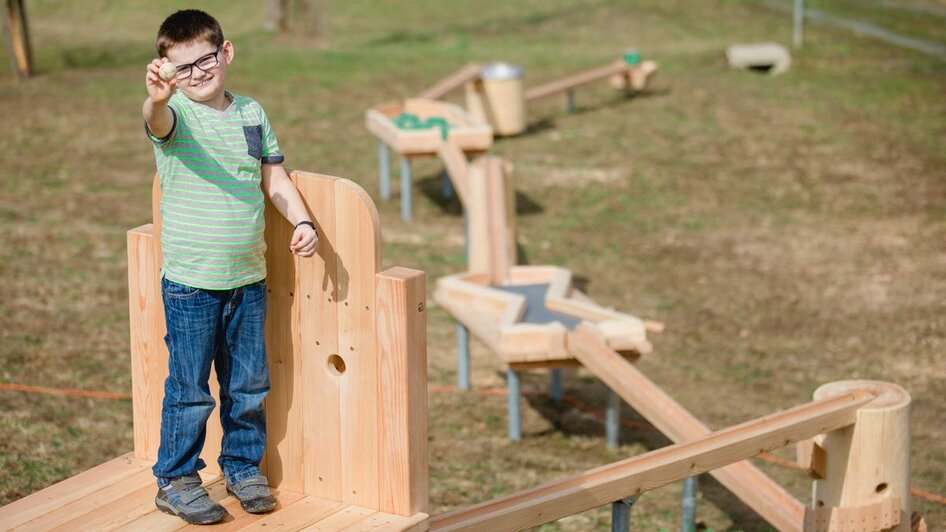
[(866, 483), (18, 38)]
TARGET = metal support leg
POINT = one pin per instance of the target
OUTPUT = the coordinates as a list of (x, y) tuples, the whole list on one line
[(621, 514), (463, 357), (798, 31), (570, 105), (446, 186), (556, 385), (688, 514), (515, 420), (384, 171), (405, 189), (612, 419)]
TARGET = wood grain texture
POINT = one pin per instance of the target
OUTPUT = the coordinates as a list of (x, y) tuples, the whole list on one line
[(652, 470), (747, 482), (402, 350)]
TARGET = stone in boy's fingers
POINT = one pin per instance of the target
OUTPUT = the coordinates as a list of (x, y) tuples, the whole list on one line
[(167, 71)]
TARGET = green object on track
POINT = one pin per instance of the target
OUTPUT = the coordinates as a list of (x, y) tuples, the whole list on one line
[(632, 57), (411, 121)]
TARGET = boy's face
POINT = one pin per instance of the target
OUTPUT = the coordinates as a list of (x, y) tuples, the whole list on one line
[(203, 84)]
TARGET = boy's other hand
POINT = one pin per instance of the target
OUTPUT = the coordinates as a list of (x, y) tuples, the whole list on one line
[(304, 240), (159, 90)]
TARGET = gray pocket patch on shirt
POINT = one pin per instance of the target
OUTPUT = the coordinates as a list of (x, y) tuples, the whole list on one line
[(254, 141)]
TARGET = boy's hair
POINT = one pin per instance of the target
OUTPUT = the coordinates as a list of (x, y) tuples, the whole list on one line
[(187, 26)]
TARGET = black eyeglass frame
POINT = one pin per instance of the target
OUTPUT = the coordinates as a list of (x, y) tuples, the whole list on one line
[(189, 67)]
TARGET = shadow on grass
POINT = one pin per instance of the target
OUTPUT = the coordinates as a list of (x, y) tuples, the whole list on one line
[(573, 422), (431, 186)]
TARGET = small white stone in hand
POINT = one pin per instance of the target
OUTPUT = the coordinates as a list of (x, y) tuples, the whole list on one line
[(167, 71)]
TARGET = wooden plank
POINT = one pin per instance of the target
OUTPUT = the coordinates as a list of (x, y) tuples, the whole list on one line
[(811, 457), (531, 342), (758, 491), (359, 258), (318, 287), (91, 501), (342, 519), (454, 161), (149, 355), (284, 408), (62, 493), (295, 516), (451, 82), (388, 522), (498, 229), (240, 519), (652, 470), (402, 350), (155, 520), (571, 82), (533, 274)]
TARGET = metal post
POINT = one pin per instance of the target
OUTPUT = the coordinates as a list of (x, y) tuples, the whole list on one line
[(405, 189), (571, 101), (446, 186), (515, 420), (385, 171), (463, 357), (612, 418), (798, 32), (556, 392), (688, 513), (621, 514)]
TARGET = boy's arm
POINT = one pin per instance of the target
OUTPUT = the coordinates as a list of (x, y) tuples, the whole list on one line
[(155, 110), (280, 190)]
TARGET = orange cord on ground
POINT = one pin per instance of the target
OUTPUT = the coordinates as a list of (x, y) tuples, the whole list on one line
[(916, 492)]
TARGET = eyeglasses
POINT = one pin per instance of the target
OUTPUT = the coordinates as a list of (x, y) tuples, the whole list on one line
[(204, 64)]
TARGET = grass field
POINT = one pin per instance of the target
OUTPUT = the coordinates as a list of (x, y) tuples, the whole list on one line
[(790, 231)]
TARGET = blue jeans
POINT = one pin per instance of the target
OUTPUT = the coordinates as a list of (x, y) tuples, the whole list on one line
[(225, 327)]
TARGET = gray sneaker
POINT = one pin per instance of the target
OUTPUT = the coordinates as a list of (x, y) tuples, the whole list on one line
[(187, 499), (253, 494)]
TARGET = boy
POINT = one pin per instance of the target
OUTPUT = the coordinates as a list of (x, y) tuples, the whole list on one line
[(213, 150)]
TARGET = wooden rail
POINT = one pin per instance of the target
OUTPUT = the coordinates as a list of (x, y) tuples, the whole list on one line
[(453, 81), (752, 486), (577, 80), (577, 493)]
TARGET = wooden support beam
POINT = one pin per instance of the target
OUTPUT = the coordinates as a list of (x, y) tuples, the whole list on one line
[(453, 81), (402, 367), (811, 457), (758, 491), (454, 161), (17, 38), (576, 80), (652, 470), (867, 464)]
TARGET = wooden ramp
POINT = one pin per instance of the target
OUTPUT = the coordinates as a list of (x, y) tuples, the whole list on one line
[(347, 412)]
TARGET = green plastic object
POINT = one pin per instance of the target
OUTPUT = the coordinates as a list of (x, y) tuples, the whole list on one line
[(632, 57), (412, 121)]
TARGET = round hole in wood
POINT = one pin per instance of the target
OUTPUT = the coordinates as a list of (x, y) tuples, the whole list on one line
[(881, 487), (336, 365)]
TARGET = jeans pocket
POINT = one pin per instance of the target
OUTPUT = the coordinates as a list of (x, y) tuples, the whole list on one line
[(254, 141), (177, 290)]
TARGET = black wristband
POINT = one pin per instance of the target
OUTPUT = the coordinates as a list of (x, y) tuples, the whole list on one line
[(307, 222)]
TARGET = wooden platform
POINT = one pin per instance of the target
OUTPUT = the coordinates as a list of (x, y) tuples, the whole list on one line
[(119, 495), (346, 417)]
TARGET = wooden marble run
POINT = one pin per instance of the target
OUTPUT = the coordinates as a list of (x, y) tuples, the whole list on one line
[(493, 107), (347, 412), (462, 134), (522, 313)]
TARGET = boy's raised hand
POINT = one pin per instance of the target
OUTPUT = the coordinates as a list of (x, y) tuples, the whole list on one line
[(159, 90), (304, 240)]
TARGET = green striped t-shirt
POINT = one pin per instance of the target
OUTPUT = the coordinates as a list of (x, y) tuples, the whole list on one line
[(212, 203)]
